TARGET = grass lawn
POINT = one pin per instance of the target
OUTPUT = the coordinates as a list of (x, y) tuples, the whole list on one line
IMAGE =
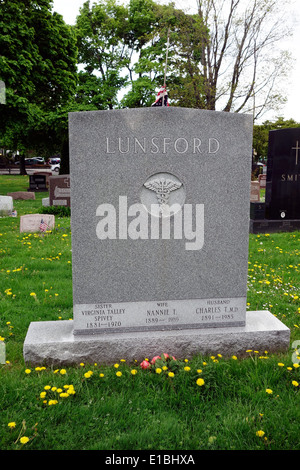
[(238, 404)]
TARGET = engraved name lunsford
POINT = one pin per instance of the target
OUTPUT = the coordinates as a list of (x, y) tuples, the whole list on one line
[(155, 145)]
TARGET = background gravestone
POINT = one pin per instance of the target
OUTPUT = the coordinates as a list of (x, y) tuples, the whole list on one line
[(59, 191), (282, 199), (146, 280), (283, 175), (38, 183)]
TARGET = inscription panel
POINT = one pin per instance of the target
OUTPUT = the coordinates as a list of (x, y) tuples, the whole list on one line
[(164, 315)]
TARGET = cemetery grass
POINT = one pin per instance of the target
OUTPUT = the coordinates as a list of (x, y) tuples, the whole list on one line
[(239, 403)]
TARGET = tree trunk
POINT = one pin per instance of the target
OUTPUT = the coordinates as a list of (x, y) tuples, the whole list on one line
[(22, 165)]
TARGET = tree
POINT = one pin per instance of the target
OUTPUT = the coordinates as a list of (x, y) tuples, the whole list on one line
[(125, 48), (38, 67), (100, 31), (242, 63)]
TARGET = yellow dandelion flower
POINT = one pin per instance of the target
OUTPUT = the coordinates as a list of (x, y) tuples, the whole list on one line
[(133, 371), (187, 369), (158, 370), (280, 364), (269, 391), (27, 371), (200, 382), (260, 433), (24, 440), (295, 383), (171, 374), (119, 373), (11, 425), (63, 371)]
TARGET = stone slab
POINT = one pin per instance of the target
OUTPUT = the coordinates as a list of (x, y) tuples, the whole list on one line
[(24, 195), (54, 342), (6, 206), (46, 201), (32, 222), (273, 226)]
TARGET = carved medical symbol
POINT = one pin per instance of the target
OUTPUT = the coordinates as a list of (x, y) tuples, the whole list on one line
[(162, 187)]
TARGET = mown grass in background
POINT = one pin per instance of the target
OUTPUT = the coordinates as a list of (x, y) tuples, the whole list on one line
[(240, 404)]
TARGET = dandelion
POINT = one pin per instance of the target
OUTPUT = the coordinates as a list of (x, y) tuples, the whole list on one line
[(119, 373), (280, 364), (101, 375), (63, 371), (171, 374), (47, 387), (27, 371), (234, 358), (43, 394), (24, 440), (33, 294), (116, 365), (269, 391), (296, 365), (133, 371), (295, 383), (88, 374), (187, 369), (64, 395), (158, 370), (11, 425), (200, 382), (52, 402), (260, 433)]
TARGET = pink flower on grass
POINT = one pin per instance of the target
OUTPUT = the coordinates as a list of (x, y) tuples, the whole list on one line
[(154, 359), (145, 364)]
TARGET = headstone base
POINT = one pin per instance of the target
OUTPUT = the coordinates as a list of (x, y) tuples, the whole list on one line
[(273, 226), (54, 343)]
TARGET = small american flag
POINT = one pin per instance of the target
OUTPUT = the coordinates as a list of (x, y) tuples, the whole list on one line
[(43, 226), (161, 98)]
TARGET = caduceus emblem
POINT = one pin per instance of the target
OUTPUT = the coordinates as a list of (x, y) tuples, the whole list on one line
[(162, 187)]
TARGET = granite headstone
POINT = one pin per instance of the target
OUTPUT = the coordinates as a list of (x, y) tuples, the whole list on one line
[(6, 206), (37, 222), (283, 175), (38, 183), (160, 228), (59, 192)]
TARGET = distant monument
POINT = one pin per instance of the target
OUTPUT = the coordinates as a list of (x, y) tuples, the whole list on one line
[(281, 210)]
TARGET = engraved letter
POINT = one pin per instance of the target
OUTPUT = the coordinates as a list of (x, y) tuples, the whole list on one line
[(186, 145), (107, 146), (213, 145)]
